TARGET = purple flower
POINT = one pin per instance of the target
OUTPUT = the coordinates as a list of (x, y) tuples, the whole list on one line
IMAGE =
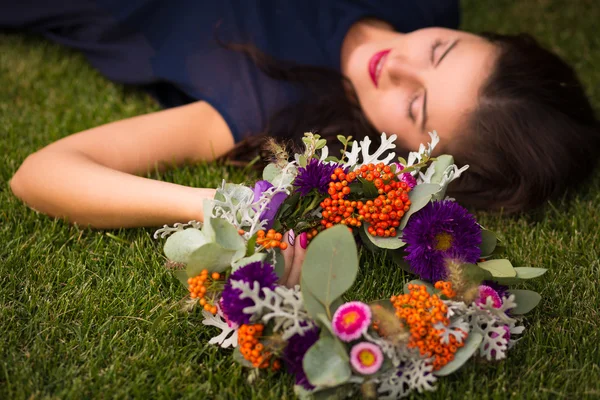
[(294, 352), (316, 175), (269, 213), (440, 230), (233, 306)]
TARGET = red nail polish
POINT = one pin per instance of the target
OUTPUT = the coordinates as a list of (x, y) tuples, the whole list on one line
[(303, 240)]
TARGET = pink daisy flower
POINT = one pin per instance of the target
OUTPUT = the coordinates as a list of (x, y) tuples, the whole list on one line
[(487, 291), (366, 358), (351, 320)]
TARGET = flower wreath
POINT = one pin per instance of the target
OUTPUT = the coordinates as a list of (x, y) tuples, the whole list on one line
[(459, 308)]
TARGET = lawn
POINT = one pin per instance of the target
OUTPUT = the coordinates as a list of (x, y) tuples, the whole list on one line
[(78, 307)]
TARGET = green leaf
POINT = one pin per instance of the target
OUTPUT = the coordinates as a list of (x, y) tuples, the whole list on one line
[(419, 197), (368, 188), (325, 324), (392, 243), (462, 355), (526, 301), (439, 166), (474, 273), (311, 303), (330, 265), (302, 161), (226, 235), (270, 172), (182, 277), (342, 139), (247, 260), (428, 286), (326, 363), (402, 161), (279, 263), (529, 272), (251, 245), (180, 245), (501, 268), (320, 144), (488, 243), (385, 303), (211, 256)]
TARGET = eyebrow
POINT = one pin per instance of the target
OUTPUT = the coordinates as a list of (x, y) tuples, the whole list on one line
[(424, 110)]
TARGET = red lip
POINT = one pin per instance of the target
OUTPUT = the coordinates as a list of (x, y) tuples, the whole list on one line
[(378, 59)]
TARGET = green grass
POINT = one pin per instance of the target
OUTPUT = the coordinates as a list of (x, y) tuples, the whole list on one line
[(78, 306)]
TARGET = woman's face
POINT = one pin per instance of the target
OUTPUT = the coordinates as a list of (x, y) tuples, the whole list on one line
[(411, 84)]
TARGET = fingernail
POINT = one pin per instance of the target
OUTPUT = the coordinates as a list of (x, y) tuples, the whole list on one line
[(303, 240), (291, 237)]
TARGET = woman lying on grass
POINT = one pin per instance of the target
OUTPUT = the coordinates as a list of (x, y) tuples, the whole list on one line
[(513, 111)]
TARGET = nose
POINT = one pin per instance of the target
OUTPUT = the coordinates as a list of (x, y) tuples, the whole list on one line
[(402, 70)]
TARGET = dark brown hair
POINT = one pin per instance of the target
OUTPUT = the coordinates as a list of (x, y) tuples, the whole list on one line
[(532, 136)]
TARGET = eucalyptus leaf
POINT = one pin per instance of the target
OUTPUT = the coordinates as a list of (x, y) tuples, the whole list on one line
[(526, 301), (270, 172), (488, 243), (392, 242), (500, 268), (182, 277), (385, 303), (180, 245), (529, 272), (419, 196), (428, 286), (326, 363), (462, 355), (474, 273), (256, 257), (312, 305), (366, 241), (325, 324), (279, 266), (211, 256), (330, 265), (226, 235), (439, 166)]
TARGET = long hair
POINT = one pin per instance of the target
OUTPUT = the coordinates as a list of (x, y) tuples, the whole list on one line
[(532, 136)]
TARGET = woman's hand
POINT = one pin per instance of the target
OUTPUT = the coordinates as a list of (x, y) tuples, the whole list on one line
[(294, 257)]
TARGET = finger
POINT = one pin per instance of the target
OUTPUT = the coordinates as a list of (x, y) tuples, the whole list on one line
[(288, 255), (299, 254)]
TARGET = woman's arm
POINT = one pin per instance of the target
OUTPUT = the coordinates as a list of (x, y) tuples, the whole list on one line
[(87, 178)]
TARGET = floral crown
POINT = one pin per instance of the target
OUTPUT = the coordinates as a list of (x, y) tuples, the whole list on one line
[(459, 307)]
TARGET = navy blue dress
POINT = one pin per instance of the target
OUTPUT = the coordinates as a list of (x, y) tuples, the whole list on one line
[(168, 46)]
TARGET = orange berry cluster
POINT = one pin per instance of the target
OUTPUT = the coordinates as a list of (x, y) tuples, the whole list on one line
[(202, 285), (385, 211), (422, 311), (270, 239), (445, 288), (254, 351), (336, 210)]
